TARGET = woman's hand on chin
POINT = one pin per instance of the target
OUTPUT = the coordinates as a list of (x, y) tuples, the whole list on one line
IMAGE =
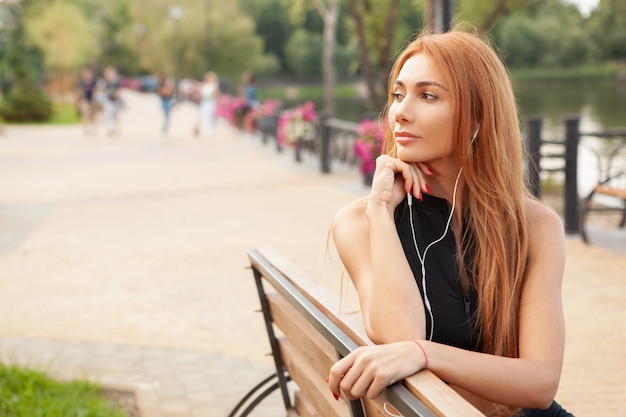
[(394, 178)]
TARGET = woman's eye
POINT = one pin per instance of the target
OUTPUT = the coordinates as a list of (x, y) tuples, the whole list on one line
[(397, 96), (429, 96)]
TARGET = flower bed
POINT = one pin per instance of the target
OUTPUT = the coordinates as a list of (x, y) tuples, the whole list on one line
[(368, 146)]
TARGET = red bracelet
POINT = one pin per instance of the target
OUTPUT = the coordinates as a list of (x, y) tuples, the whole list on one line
[(423, 351)]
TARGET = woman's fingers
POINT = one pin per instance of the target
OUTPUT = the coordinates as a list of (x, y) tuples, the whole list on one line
[(368, 370), (394, 178)]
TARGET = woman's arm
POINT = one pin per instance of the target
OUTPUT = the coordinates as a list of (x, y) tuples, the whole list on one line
[(368, 244), (528, 381)]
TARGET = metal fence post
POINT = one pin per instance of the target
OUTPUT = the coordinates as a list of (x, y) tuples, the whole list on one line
[(571, 200), (533, 145), (324, 144)]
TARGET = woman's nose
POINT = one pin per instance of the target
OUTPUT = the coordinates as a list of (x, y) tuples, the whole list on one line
[(403, 111)]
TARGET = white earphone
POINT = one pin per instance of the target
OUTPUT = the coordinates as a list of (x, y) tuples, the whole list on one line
[(421, 257)]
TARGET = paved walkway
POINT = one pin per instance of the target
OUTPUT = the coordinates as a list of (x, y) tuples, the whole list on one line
[(123, 260)]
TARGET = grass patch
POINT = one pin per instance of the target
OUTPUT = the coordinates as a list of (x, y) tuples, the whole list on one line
[(64, 114), (307, 92), (609, 71), (30, 393)]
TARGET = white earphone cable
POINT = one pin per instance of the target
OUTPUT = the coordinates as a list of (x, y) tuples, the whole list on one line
[(421, 257)]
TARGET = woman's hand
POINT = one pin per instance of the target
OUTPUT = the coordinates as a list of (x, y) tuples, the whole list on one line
[(368, 370), (394, 178)]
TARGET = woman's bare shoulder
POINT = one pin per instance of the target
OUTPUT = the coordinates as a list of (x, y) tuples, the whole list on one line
[(544, 224), (350, 218), (539, 214)]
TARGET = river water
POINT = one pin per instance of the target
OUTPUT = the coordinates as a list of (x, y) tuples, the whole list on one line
[(600, 104)]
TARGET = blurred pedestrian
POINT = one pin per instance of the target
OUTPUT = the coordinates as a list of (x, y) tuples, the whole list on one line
[(250, 91), (166, 90), (112, 100), (209, 94), (87, 104)]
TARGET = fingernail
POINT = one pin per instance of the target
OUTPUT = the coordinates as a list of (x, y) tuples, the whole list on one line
[(431, 172), (327, 379), (420, 197), (336, 396), (427, 188)]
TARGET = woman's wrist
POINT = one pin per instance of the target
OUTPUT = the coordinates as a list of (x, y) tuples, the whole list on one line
[(377, 209), (421, 347)]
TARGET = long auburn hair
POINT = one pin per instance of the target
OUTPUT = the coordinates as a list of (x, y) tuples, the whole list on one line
[(494, 243)]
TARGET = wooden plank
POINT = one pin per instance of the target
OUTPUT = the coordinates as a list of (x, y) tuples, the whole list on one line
[(376, 408), (312, 385), (315, 348), (615, 192), (436, 394), (303, 406)]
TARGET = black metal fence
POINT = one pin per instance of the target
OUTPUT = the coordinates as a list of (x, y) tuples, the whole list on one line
[(569, 148)]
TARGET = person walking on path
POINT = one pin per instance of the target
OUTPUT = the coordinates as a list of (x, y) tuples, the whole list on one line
[(112, 100), (209, 94), (166, 90), (87, 104), (458, 268)]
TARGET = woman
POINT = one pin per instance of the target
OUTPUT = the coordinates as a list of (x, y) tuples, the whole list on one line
[(209, 93), (166, 90), (449, 211), (87, 104), (112, 100)]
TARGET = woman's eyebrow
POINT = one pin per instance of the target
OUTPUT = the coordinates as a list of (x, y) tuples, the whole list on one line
[(422, 84)]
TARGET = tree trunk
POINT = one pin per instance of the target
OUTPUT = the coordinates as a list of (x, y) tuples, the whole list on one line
[(385, 61), (328, 67), (366, 69)]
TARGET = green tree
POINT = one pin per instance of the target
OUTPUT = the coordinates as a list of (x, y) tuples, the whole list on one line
[(380, 30), (23, 96), (63, 34), (607, 26), (272, 23), (304, 53), (552, 36), (220, 32), (329, 13)]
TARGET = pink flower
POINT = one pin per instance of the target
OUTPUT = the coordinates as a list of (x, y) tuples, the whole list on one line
[(368, 145)]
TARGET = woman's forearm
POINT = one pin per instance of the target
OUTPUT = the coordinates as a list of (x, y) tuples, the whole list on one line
[(394, 295)]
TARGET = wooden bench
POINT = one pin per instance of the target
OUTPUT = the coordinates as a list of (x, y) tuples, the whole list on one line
[(308, 334), (610, 187)]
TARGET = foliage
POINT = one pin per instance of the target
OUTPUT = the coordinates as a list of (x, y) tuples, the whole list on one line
[(549, 36), (368, 145), (273, 25), (62, 33), (215, 35), (607, 27), (25, 104), (27, 393), (304, 53)]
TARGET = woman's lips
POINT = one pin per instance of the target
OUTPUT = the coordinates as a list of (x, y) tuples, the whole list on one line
[(404, 137)]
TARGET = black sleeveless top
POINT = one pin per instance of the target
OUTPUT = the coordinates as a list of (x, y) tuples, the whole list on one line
[(452, 308)]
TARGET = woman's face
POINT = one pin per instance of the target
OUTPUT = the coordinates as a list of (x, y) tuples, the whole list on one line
[(420, 115)]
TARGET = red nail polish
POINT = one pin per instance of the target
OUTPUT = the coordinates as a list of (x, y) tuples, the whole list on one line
[(420, 197), (431, 172), (336, 396), (427, 188)]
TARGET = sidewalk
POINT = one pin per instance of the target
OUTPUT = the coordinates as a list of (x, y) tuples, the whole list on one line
[(123, 260)]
